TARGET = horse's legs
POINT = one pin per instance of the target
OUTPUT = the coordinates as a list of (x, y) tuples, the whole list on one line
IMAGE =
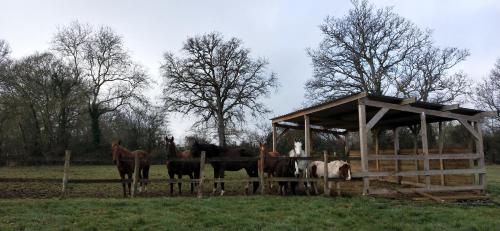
[(179, 183), (293, 185), (122, 176), (216, 176), (129, 183), (140, 180), (269, 175), (192, 183), (172, 176), (145, 177), (221, 176)]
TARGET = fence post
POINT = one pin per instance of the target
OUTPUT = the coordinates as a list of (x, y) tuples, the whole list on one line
[(67, 157), (202, 175), (261, 173), (326, 186), (136, 174)]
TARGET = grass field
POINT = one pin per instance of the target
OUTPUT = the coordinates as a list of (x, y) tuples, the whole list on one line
[(22, 209)]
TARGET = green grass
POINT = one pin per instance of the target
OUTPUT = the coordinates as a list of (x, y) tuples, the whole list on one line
[(233, 212)]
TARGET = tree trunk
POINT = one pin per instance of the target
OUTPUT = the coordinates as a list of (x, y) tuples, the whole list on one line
[(96, 129), (221, 130)]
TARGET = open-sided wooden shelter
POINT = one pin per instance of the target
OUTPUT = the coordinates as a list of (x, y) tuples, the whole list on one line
[(438, 168)]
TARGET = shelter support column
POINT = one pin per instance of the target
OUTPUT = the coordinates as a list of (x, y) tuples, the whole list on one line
[(425, 149), (396, 152), (480, 152), (307, 135), (274, 137), (440, 149), (363, 143)]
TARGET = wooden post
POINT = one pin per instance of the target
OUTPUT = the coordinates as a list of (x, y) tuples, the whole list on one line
[(326, 185), (480, 151), (363, 143), (425, 148), (261, 173), (307, 135), (136, 175), (440, 149), (471, 161), (377, 149), (396, 152), (67, 157), (307, 148), (202, 174), (415, 149), (274, 137), (347, 146)]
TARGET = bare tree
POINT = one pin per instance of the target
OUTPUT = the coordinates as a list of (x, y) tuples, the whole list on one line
[(424, 75), (99, 58), (488, 91), (217, 81), (4, 51), (361, 51)]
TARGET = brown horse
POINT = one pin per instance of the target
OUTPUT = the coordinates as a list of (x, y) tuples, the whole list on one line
[(179, 168), (270, 164), (125, 162)]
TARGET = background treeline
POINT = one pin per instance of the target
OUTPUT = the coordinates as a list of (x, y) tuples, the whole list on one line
[(86, 89)]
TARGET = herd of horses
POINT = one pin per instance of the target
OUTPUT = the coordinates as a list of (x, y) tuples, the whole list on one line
[(178, 164)]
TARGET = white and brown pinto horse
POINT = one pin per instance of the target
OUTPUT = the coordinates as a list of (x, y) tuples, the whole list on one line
[(336, 169), (301, 166)]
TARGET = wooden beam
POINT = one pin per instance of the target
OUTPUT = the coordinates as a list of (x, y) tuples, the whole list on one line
[(434, 198), (283, 133), (363, 143), (307, 135), (433, 189), (450, 107), (458, 156), (409, 108), (319, 107), (425, 148), (376, 118), (298, 127), (408, 101), (421, 173), (489, 114), (470, 128)]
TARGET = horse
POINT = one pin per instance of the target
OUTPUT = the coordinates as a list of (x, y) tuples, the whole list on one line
[(221, 166), (336, 169), (286, 168), (124, 160), (270, 164), (179, 168), (301, 169)]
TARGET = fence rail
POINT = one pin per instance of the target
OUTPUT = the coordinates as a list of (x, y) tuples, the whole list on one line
[(202, 160)]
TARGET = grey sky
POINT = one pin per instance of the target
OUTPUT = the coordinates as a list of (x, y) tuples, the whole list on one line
[(277, 30)]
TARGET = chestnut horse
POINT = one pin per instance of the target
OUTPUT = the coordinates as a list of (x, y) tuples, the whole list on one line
[(124, 160), (179, 168), (270, 163)]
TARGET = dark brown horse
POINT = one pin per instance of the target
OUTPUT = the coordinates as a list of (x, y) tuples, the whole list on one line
[(270, 163), (179, 168), (124, 160), (220, 167)]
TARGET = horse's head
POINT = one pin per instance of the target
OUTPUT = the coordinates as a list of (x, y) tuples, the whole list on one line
[(297, 146), (345, 171), (115, 153), (170, 146)]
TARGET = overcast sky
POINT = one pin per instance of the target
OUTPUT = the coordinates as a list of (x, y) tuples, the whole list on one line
[(277, 30)]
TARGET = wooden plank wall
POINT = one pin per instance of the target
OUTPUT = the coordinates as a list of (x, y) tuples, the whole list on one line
[(409, 165)]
